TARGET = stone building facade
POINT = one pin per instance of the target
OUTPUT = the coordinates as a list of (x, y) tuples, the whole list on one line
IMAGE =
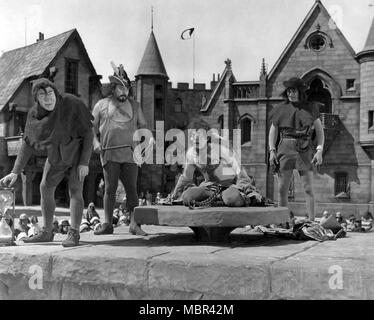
[(338, 78)]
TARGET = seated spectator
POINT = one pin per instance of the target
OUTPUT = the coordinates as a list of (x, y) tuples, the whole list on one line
[(95, 223), (88, 225), (357, 226), (122, 207), (55, 225), (64, 226), (325, 216), (124, 218), (158, 198), (292, 221), (366, 221), (34, 226), (85, 226), (339, 217), (22, 226), (148, 197), (91, 212), (116, 216)]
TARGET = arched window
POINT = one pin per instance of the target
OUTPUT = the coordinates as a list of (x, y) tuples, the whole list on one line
[(178, 105), (245, 125)]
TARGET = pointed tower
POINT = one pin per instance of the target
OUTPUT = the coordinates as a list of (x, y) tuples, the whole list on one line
[(152, 88), (152, 81), (366, 60), (263, 79)]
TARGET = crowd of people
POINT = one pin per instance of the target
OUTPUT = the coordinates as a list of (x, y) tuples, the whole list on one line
[(91, 219), (27, 227), (352, 223)]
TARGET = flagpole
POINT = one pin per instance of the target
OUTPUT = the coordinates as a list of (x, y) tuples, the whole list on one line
[(193, 60)]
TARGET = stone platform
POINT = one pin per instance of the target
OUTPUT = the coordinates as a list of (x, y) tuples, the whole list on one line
[(171, 264), (210, 224)]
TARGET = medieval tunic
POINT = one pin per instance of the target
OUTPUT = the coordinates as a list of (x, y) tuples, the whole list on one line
[(295, 124), (64, 133), (116, 128)]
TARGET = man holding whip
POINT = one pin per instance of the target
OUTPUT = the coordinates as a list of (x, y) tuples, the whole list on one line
[(116, 119)]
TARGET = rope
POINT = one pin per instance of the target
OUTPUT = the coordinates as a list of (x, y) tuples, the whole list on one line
[(214, 200)]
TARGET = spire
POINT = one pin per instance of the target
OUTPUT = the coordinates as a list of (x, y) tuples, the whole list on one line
[(369, 45), (263, 68), (151, 63), (367, 54), (152, 18)]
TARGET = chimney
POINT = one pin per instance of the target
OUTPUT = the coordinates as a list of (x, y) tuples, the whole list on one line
[(213, 82), (41, 37)]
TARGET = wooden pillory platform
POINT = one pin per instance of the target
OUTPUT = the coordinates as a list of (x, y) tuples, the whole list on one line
[(210, 224)]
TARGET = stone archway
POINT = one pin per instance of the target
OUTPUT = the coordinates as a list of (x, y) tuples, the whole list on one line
[(318, 93)]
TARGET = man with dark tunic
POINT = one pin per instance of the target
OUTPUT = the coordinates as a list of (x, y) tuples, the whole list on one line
[(293, 124), (60, 125)]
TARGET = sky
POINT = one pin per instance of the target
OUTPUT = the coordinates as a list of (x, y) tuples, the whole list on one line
[(245, 31)]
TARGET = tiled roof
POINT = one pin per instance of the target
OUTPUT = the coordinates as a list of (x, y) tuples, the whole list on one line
[(19, 64), (152, 63)]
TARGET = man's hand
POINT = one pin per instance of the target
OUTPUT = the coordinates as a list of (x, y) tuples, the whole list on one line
[(273, 158), (317, 159), (9, 180), (82, 172)]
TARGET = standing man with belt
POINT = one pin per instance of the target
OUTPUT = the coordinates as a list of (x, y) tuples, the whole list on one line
[(295, 120), (59, 124), (116, 118)]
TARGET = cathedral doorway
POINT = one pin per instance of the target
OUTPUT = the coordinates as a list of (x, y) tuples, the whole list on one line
[(318, 93)]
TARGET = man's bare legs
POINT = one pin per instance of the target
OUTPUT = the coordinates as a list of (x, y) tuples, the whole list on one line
[(284, 180), (307, 181)]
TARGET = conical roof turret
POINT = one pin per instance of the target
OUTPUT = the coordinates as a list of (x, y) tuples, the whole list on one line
[(368, 51), (151, 63)]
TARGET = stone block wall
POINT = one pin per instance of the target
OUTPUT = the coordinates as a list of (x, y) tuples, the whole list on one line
[(367, 100)]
